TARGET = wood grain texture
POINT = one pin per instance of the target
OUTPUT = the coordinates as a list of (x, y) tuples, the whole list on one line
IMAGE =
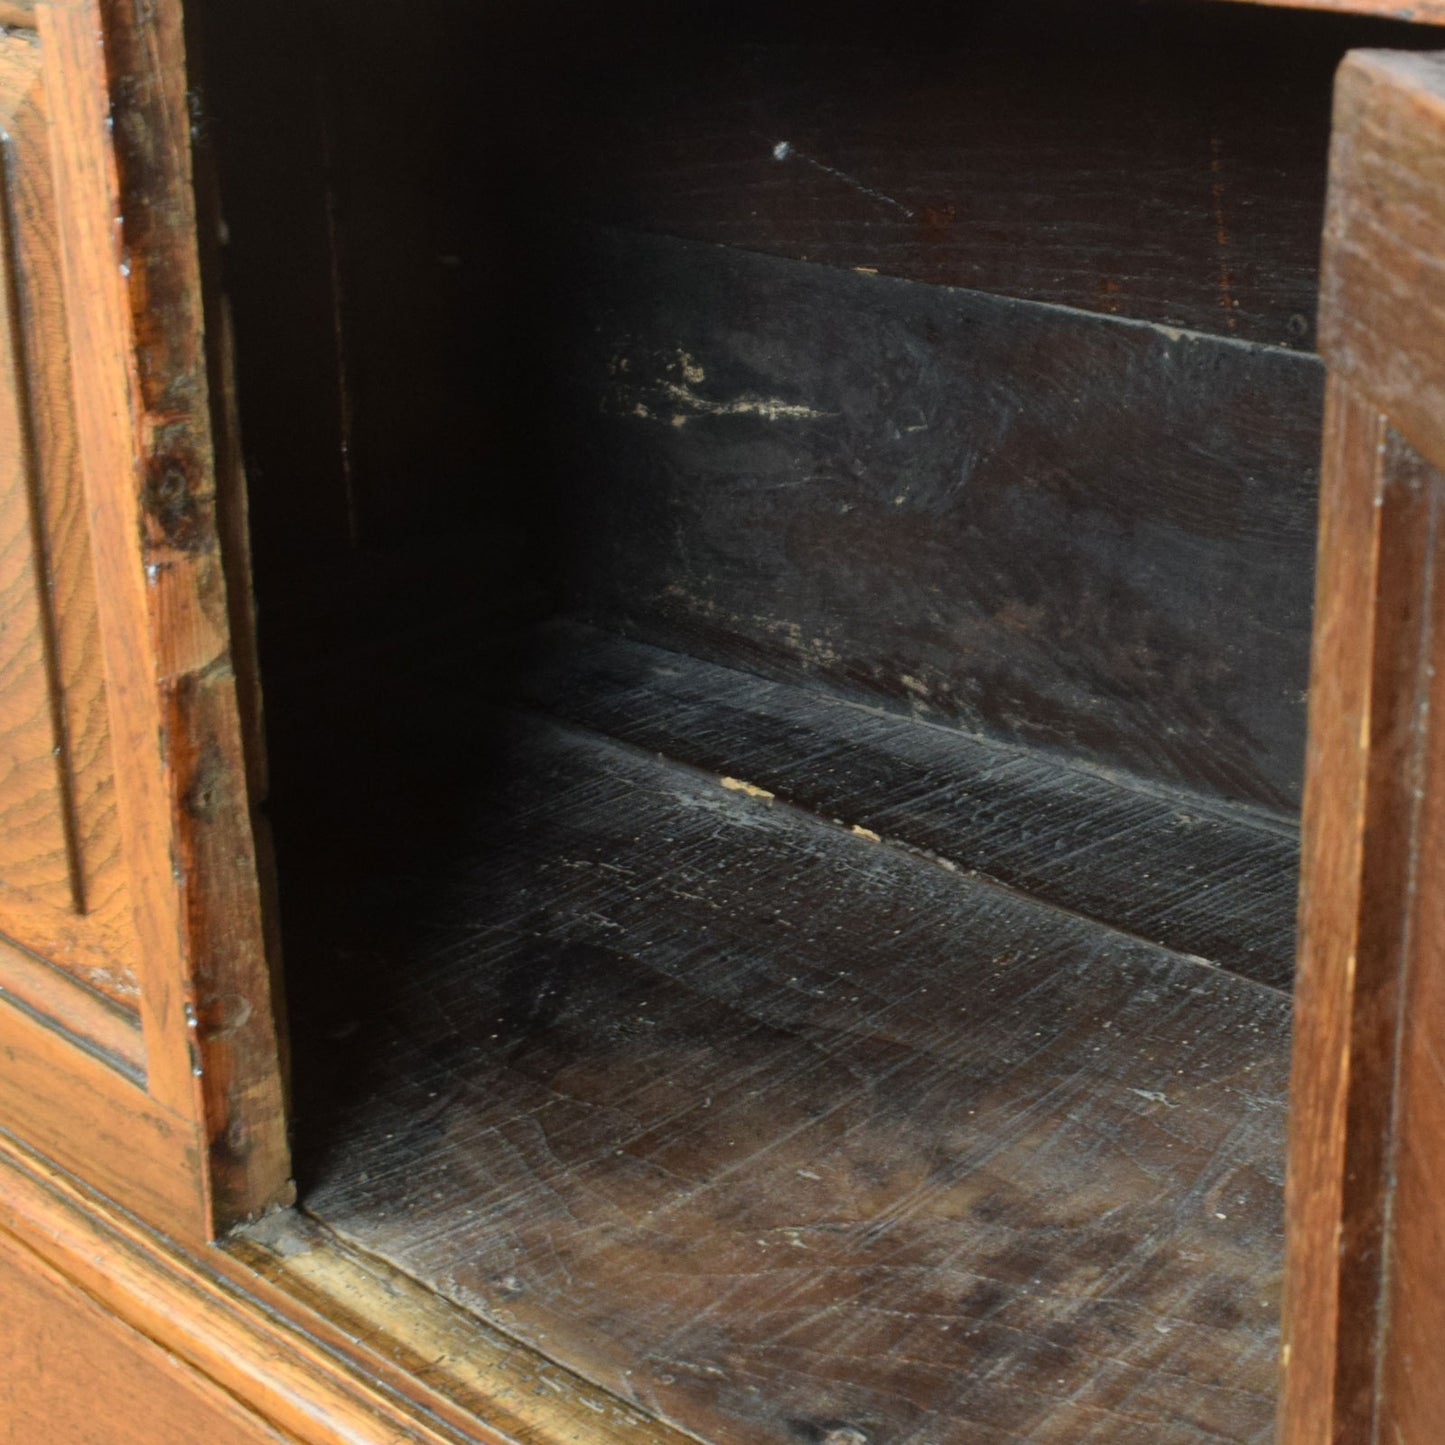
[(365, 275), (1357, 1287), (343, 1352), (85, 1014), (1382, 300), (91, 1118), (36, 810), (496, 1387), (52, 1338), (1163, 164), (1368, 721), (66, 899), (779, 1130), (1411, 1392), (1175, 868), (116, 81), (1063, 531)]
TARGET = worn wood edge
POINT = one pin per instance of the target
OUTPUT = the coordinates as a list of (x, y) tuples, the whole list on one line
[(96, 1021), (233, 528), (1428, 12), (1382, 290), (96, 1121), (225, 955), (17, 14), (1332, 858), (314, 1339), (517, 1392), (174, 1300), (1410, 1403), (1369, 714), (87, 202), (124, 192)]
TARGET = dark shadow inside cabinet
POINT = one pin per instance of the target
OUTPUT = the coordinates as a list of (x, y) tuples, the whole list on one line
[(783, 543)]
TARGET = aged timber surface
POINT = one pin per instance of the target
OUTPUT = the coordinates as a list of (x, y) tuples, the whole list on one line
[(1160, 162), (1067, 531), (791, 1135), (1179, 869)]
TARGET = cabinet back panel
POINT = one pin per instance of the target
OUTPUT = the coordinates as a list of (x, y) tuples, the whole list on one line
[(1061, 530)]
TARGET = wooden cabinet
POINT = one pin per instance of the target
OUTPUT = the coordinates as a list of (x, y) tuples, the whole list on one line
[(121, 738), (56, 1337), (782, 548), (66, 895)]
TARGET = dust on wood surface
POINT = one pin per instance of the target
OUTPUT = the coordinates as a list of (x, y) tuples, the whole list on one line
[(1180, 869), (786, 1133)]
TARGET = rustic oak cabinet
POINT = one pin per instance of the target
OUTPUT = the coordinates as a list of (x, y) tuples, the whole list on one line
[(779, 555)]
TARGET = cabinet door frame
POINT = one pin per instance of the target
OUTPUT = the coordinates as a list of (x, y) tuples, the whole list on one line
[(1365, 1206), (194, 1140)]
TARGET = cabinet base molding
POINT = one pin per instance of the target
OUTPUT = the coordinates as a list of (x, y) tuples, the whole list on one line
[(287, 1330)]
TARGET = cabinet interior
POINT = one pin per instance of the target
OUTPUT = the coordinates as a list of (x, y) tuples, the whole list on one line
[(783, 547)]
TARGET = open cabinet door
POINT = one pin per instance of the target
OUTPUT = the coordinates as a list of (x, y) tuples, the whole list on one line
[(137, 1036), (1365, 1289)]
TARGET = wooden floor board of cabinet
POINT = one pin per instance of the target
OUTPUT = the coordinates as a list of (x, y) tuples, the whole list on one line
[(776, 548), (774, 1123)]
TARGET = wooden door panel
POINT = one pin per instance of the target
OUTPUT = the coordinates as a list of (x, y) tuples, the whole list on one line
[(1365, 1277), (63, 894)]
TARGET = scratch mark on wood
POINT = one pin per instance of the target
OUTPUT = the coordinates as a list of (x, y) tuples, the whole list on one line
[(786, 151)]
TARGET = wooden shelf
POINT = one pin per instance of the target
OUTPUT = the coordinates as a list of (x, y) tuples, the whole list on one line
[(781, 1128)]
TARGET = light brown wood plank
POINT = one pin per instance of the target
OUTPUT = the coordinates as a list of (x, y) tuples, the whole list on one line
[(75, 1375), (84, 1013), (38, 852), (342, 1353), (1358, 1295), (1411, 1390), (92, 1119), (1365, 719), (210, 1030), (88, 932)]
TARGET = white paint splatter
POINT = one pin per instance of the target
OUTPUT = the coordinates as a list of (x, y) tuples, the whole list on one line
[(768, 407)]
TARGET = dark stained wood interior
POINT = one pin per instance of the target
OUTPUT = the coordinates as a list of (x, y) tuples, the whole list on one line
[(1065, 531), (828, 983), (1220, 881), (1138, 161), (777, 1125), (387, 185)]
